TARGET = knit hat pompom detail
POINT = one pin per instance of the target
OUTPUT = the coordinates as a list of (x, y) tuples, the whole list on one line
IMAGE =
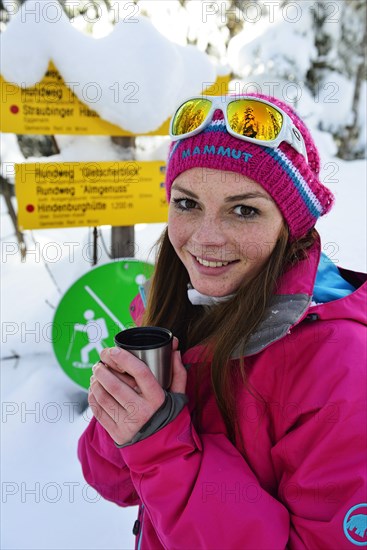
[(291, 181)]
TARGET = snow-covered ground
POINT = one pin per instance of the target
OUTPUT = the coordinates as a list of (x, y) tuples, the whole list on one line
[(45, 500)]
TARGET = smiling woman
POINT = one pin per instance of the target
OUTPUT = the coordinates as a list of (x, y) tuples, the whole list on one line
[(258, 441), (222, 231)]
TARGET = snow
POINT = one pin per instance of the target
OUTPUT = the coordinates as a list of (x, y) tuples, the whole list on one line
[(171, 19), (249, 53), (336, 97), (362, 116), (344, 229), (137, 92), (46, 503)]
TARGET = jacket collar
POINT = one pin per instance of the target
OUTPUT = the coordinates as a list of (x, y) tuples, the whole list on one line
[(292, 303), (289, 305)]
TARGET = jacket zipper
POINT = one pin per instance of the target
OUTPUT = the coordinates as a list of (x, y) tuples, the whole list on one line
[(140, 524)]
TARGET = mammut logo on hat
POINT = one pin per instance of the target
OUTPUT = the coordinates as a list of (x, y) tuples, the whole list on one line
[(213, 150), (355, 525)]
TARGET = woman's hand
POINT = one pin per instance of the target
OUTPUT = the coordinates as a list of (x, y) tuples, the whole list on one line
[(124, 393)]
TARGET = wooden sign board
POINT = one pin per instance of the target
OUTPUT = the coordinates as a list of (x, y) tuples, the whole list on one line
[(73, 194)]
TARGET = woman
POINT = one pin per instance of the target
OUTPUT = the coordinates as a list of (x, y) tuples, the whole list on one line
[(258, 444)]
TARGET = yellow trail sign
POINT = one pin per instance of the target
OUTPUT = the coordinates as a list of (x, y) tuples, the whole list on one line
[(72, 194), (51, 107)]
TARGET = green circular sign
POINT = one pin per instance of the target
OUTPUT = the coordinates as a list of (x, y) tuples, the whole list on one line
[(92, 311)]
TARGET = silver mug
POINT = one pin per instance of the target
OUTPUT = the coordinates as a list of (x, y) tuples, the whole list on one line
[(153, 345)]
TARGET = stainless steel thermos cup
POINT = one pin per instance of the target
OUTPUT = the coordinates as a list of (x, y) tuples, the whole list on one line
[(153, 345)]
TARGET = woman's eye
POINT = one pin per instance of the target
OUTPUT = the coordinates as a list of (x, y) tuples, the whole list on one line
[(246, 211), (184, 204)]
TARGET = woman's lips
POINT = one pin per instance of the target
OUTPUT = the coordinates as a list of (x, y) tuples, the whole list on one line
[(212, 265)]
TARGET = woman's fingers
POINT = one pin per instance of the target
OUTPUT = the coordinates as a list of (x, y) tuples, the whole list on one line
[(175, 344), (145, 380), (124, 377), (105, 402), (108, 360), (179, 374), (125, 418), (126, 409), (101, 415), (116, 388)]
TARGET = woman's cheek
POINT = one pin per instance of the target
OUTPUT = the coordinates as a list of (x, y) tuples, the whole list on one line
[(176, 233)]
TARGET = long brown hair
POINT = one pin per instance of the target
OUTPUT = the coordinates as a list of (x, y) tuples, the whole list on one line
[(223, 326)]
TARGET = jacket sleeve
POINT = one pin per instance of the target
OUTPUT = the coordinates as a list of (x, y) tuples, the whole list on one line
[(103, 466)]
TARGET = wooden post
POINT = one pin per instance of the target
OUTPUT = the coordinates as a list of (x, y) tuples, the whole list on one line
[(122, 237), (8, 192)]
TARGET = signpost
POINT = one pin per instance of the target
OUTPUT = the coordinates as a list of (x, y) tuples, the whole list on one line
[(67, 194)]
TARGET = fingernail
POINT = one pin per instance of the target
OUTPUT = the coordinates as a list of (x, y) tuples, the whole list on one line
[(115, 351), (92, 379)]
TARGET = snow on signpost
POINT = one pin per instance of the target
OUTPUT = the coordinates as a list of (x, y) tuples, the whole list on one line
[(132, 78)]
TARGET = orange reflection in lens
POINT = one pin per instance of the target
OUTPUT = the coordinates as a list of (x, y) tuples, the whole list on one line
[(190, 115), (254, 119)]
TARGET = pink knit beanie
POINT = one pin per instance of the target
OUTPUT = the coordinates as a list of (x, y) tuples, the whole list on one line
[(290, 180)]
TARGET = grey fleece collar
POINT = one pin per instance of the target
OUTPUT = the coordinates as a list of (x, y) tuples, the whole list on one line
[(283, 312)]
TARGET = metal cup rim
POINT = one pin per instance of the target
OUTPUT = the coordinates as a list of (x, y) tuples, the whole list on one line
[(164, 332)]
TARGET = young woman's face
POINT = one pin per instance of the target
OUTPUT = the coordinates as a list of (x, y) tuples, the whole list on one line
[(223, 227)]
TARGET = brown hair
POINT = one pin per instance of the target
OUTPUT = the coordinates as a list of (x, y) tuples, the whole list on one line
[(223, 326)]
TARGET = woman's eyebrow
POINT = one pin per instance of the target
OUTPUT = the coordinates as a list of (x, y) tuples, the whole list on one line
[(244, 196), (184, 191)]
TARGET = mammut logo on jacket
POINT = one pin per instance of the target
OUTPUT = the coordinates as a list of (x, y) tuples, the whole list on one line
[(355, 524)]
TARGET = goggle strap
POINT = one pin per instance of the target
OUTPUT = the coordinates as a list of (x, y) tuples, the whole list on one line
[(297, 141)]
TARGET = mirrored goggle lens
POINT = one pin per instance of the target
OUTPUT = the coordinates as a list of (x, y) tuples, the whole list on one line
[(190, 116), (254, 119)]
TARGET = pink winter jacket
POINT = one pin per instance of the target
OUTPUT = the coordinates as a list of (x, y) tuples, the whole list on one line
[(304, 429)]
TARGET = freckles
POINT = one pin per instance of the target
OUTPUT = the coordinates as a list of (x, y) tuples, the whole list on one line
[(176, 229), (257, 246), (176, 235)]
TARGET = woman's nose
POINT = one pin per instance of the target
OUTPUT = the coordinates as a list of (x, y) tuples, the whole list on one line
[(209, 232)]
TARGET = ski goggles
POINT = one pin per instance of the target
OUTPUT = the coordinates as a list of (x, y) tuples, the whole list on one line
[(247, 118)]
